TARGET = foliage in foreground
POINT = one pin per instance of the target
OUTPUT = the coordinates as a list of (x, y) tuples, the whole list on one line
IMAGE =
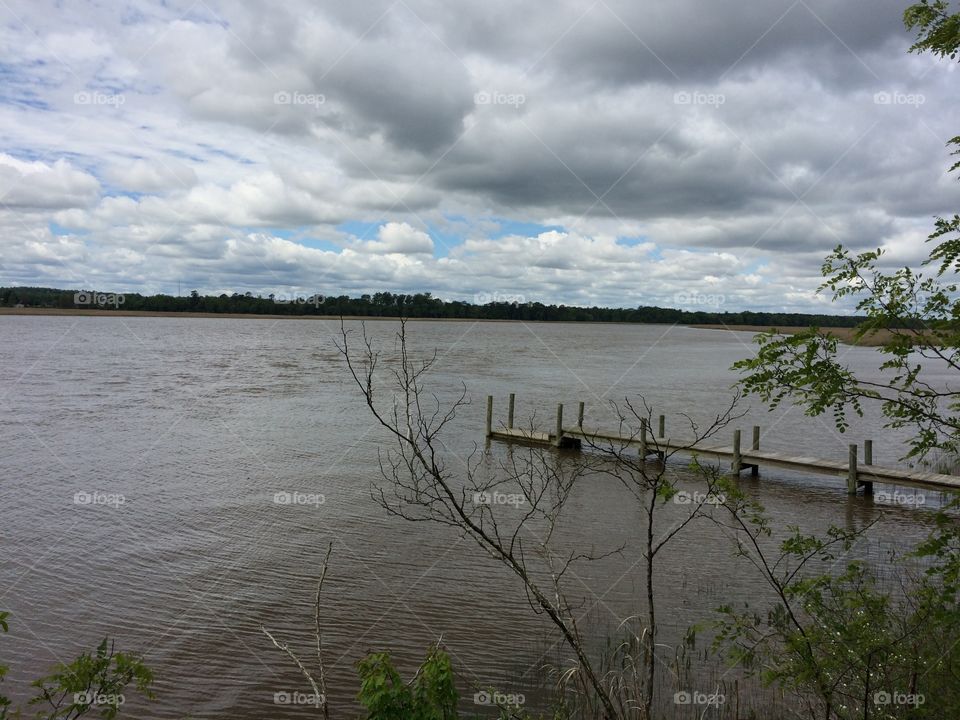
[(841, 642), (93, 683), (431, 694), (846, 646), (922, 315)]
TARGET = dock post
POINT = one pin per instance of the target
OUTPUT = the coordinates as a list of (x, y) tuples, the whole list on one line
[(643, 438), (580, 416), (559, 436), (513, 397), (737, 463), (755, 445), (662, 435), (868, 460), (489, 415), (852, 471)]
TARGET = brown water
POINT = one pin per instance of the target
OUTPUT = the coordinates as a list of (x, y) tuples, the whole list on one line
[(197, 423)]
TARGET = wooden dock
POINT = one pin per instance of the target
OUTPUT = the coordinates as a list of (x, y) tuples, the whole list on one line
[(856, 473)]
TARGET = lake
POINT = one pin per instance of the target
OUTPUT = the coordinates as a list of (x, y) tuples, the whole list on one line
[(141, 457)]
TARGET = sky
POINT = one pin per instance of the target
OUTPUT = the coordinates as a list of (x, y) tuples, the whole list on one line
[(701, 155)]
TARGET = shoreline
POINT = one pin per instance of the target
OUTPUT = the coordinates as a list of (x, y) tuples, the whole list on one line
[(845, 335)]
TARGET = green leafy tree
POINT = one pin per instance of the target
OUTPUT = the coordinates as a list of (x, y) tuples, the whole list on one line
[(916, 316), (938, 29), (920, 319), (843, 644), (93, 682), (431, 694), (847, 647)]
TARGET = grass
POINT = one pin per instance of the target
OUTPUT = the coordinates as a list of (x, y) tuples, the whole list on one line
[(844, 335), (943, 462)]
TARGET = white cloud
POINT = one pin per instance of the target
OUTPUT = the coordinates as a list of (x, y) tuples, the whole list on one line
[(37, 185), (398, 238), (151, 176), (180, 163)]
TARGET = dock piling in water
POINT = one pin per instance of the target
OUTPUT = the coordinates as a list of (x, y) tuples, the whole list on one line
[(737, 463), (513, 398), (852, 471), (661, 435), (489, 415), (580, 415), (558, 439), (868, 460)]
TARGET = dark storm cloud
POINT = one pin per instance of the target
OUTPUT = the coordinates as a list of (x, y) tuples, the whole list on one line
[(798, 119), (408, 87), (625, 42)]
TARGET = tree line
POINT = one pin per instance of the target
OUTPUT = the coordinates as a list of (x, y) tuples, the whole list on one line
[(415, 305)]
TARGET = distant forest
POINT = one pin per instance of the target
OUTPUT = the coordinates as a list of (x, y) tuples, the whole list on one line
[(386, 304)]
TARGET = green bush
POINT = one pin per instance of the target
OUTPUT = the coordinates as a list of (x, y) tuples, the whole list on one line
[(431, 694)]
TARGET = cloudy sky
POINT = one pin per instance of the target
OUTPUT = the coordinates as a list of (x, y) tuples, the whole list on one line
[(671, 152)]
